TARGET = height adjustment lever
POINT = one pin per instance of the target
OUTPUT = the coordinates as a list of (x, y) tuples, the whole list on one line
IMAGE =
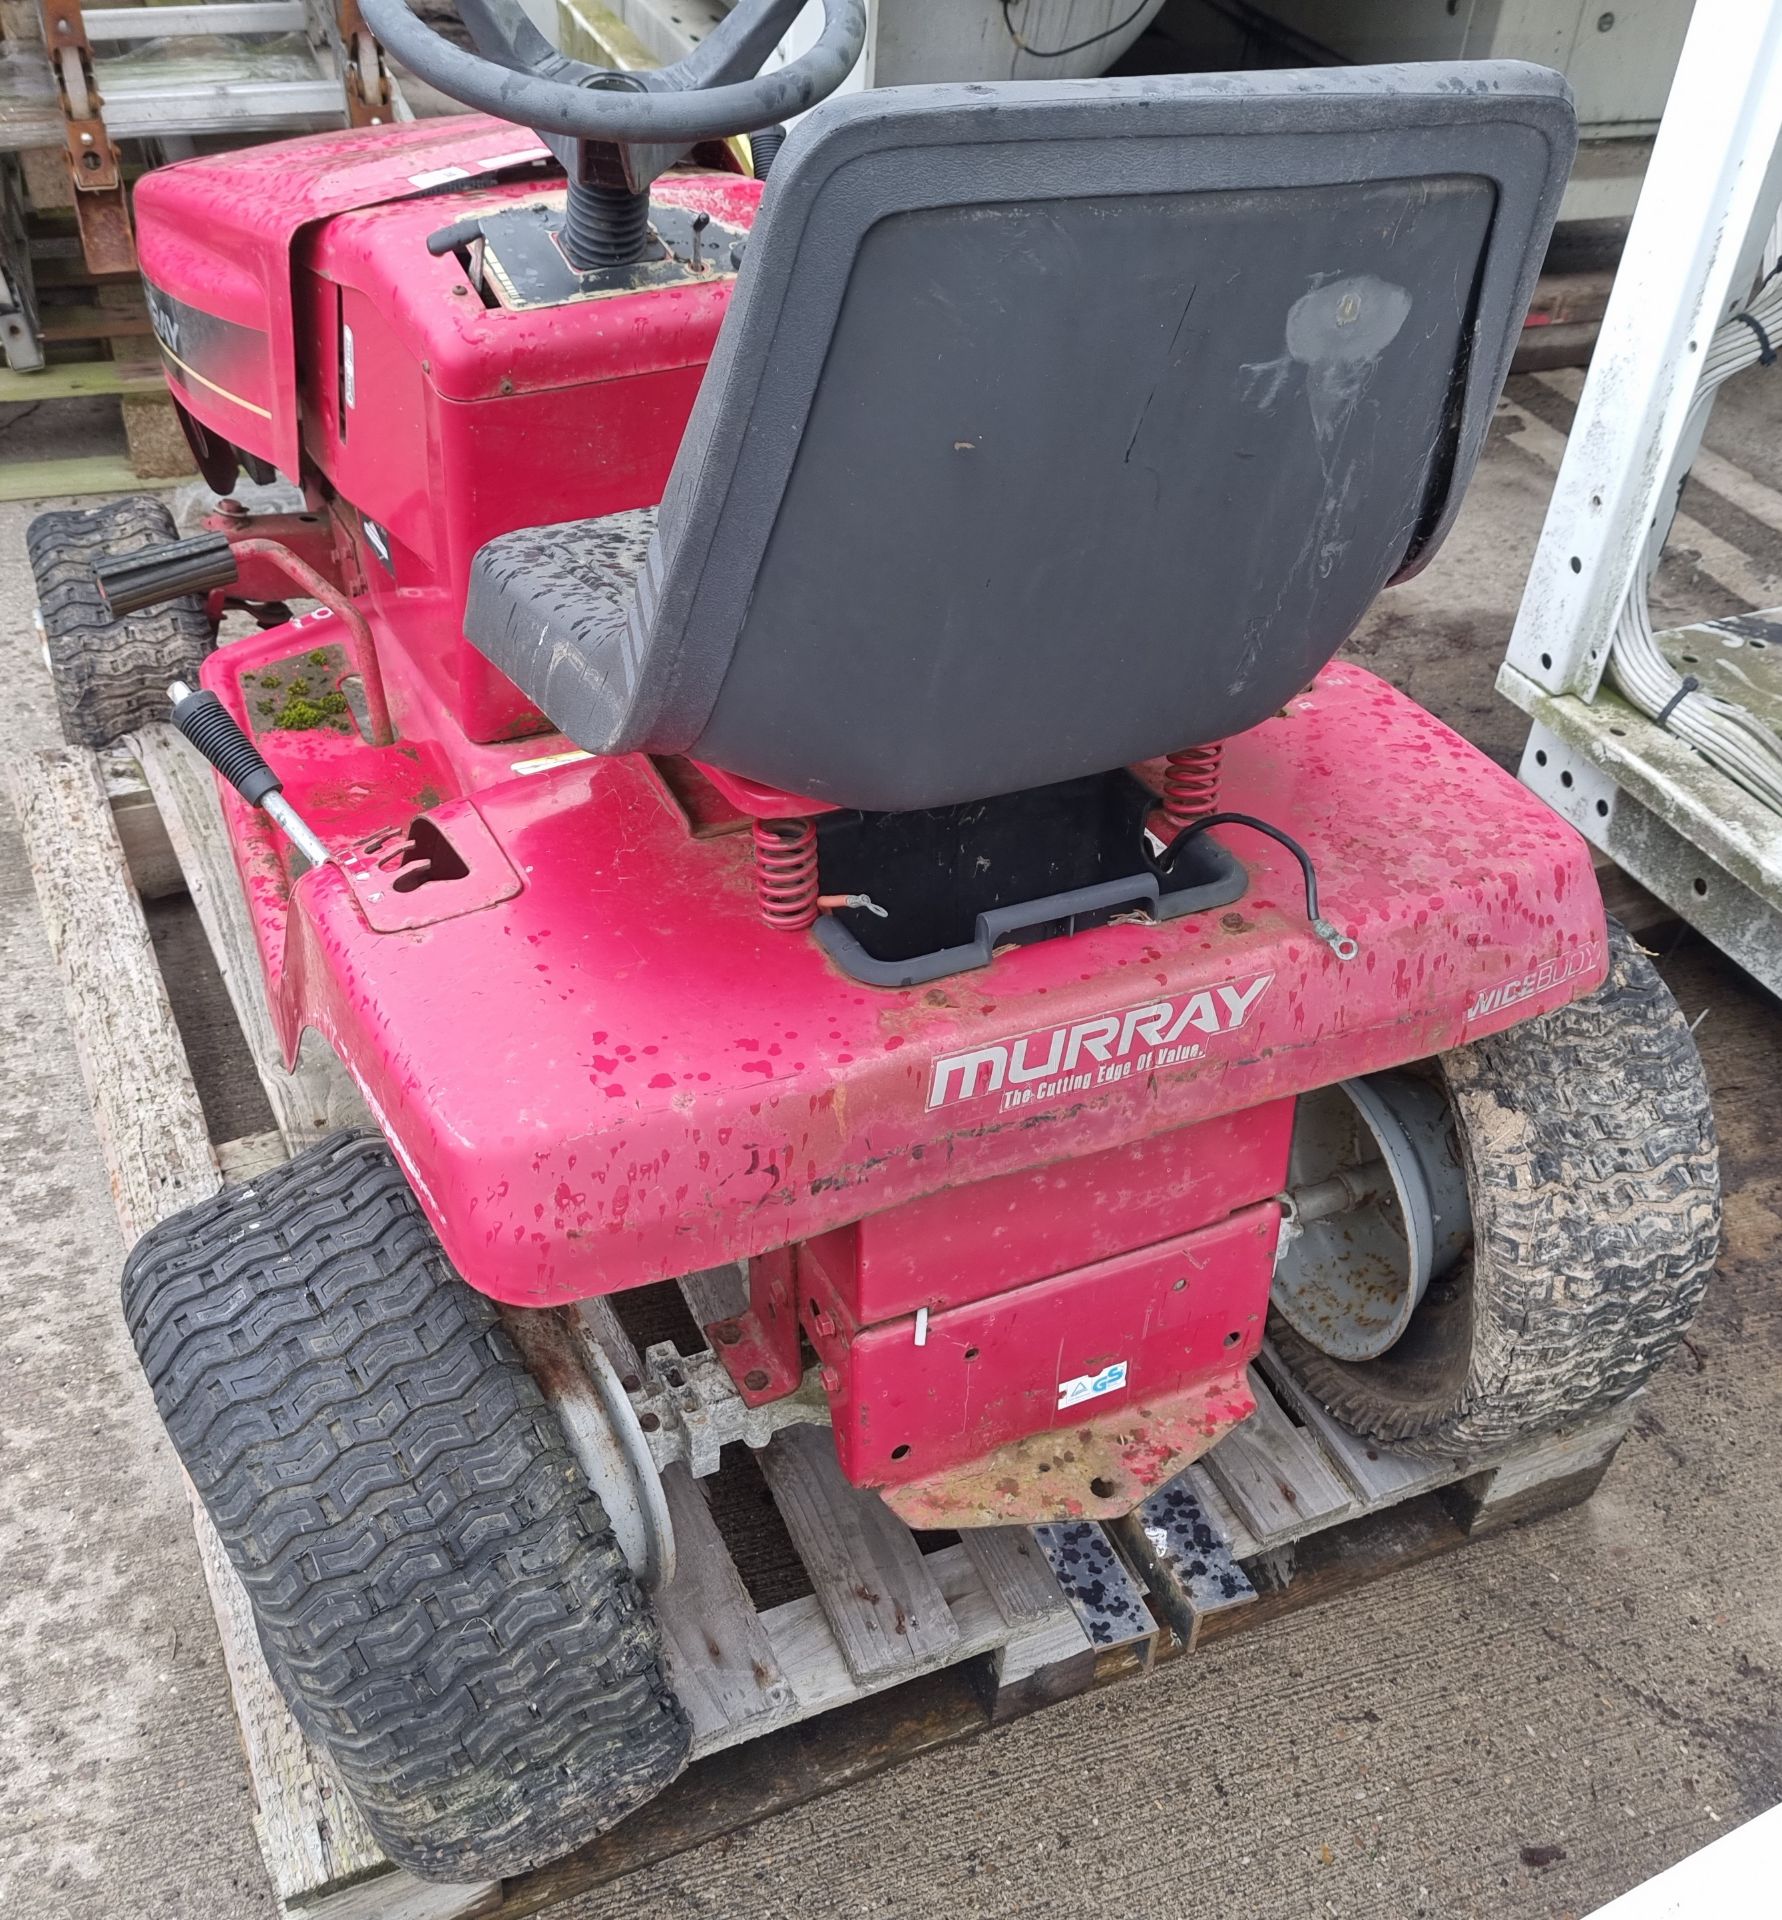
[(211, 728), (128, 582)]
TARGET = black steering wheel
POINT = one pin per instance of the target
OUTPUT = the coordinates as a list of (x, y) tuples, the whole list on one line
[(516, 74)]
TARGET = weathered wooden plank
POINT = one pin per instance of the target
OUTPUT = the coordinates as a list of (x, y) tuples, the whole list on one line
[(1093, 1578), (1378, 1474), (319, 1096), (1183, 1559), (132, 1060), (148, 853), (1552, 1473), (74, 474), (151, 1132), (715, 1293), (1217, 1508), (1559, 1454), (400, 1896), (82, 379), (812, 1656), (866, 1570), (1050, 1645), (1013, 1567), (92, 322), (596, 1320), (1278, 1484), (250, 1156), (721, 1663)]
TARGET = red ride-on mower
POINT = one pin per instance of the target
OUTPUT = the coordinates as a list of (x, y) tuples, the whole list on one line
[(818, 756)]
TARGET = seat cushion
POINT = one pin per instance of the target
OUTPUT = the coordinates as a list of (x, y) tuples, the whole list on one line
[(552, 608)]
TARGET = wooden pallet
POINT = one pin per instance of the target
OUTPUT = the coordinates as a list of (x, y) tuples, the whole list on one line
[(895, 1649)]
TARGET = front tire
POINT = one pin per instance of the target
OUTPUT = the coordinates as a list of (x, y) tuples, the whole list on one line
[(111, 674), (1592, 1169), (436, 1587)]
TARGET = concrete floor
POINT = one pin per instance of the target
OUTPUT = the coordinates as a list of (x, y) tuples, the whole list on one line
[(1528, 1727)]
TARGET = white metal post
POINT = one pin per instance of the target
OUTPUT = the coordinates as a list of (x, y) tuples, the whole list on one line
[(1703, 197)]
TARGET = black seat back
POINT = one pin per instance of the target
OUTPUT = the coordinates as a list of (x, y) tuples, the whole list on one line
[(1053, 427)]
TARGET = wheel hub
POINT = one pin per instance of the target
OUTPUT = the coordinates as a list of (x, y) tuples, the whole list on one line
[(1377, 1209)]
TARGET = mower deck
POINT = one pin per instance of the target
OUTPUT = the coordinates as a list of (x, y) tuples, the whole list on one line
[(564, 1010)]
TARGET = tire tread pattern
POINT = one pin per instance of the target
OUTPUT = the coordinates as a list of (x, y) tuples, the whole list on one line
[(1593, 1168), (437, 1589), (110, 674)]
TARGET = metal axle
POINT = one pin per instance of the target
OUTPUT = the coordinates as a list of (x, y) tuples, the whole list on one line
[(1342, 1192)]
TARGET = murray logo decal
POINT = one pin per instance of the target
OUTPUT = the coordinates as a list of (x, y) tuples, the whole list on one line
[(1100, 1052)]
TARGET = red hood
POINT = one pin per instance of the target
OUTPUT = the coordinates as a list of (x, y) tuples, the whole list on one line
[(215, 238)]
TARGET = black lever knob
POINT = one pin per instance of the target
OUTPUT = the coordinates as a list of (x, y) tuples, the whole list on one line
[(211, 728)]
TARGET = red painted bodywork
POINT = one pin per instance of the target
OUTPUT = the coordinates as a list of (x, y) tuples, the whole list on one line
[(600, 1069), (1188, 1308), (965, 1243), (470, 421), (659, 1083)]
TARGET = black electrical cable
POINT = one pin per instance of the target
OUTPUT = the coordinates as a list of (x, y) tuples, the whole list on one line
[(1690, 684), (1259, 826), (1766, 353), (1059, 53)]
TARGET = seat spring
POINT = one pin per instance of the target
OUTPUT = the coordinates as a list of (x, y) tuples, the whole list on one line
[(1191, 784), (786, 873)]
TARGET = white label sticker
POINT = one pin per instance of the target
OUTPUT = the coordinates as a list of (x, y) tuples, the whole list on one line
[(546, 761), (488, 163), (491, 163), (1090, 1386), (349, 382)]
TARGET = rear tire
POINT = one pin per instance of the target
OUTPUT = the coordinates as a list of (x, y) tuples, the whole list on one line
[(436, 1587), (1592, 1168), (110, 675)]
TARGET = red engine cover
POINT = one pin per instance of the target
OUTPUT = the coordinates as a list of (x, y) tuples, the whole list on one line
[(302, 318)]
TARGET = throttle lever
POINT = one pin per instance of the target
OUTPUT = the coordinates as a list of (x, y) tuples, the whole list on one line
[(211, 728)]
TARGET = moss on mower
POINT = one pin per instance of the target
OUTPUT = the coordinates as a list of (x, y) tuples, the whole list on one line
[(303, 710)]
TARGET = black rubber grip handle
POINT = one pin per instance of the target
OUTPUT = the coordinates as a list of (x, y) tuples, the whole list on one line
[(459, 234), (764, 149), (129, 582), (211, 728)]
